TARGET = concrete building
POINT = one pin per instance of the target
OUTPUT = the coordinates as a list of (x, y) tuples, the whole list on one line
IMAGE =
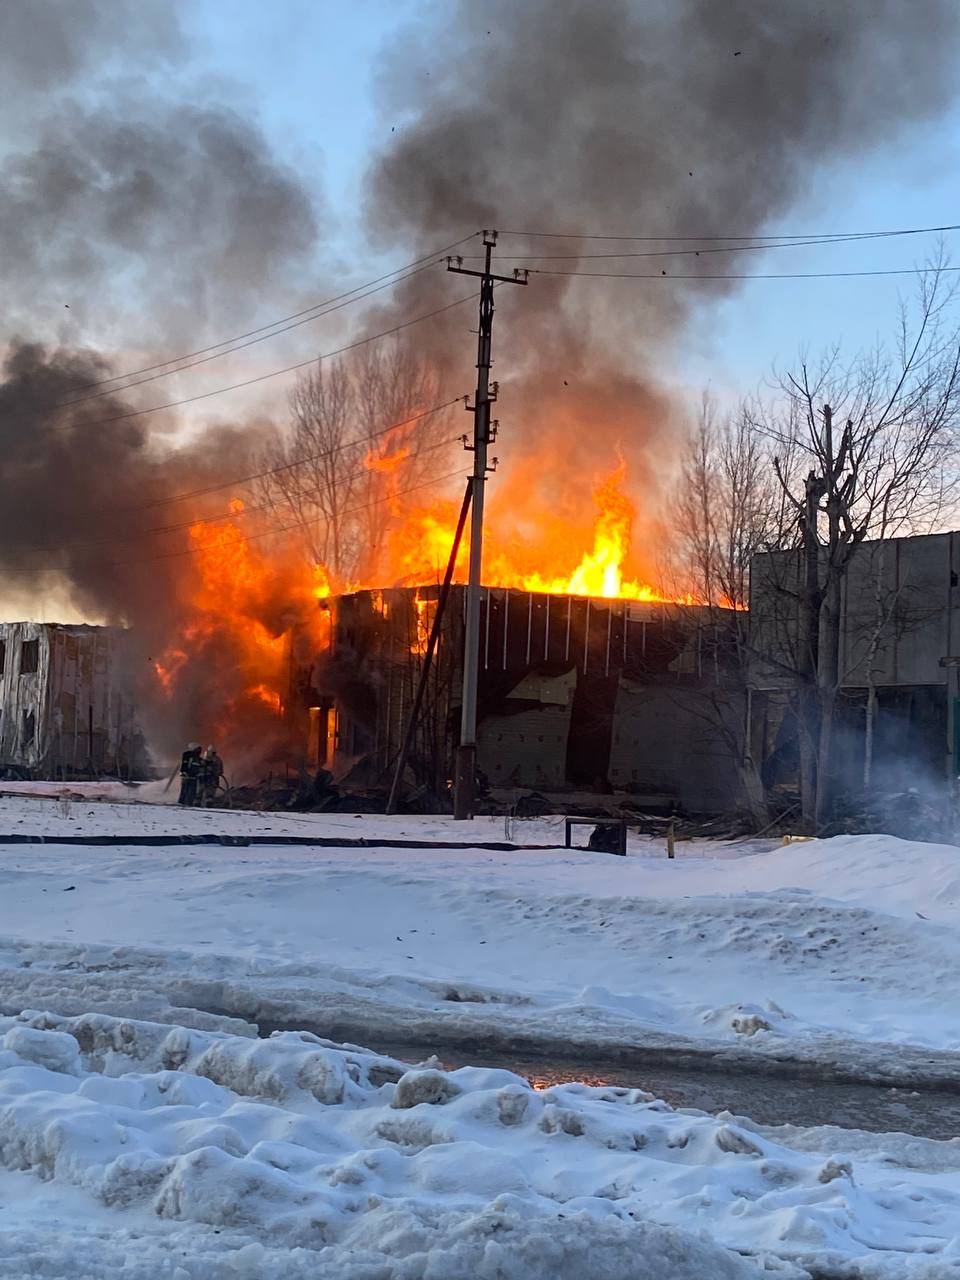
[(64, 707), (899, 655), (575, 694)]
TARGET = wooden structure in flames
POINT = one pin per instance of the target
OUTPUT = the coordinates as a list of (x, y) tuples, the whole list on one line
[(574, 694)]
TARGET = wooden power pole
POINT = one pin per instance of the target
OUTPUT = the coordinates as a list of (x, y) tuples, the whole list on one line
[(465, 777)]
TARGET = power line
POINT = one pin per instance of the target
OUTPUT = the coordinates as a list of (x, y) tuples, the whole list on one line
[(784, 275), (680, 253), (253, 537), (240, 346), (813, 236), (276, 373), (288, 466), (180, 525), (402, 272)]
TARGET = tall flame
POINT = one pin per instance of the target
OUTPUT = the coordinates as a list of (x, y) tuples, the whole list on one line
[(243, 599), (247, 600), (419, 547), (600, 572)]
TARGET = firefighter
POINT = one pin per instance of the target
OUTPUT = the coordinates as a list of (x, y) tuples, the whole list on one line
[(190, 767), (211, 771)]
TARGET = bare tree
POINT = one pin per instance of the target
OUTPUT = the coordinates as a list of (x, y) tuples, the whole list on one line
[(394, 389), (361, 434), (312, 467), (861, 450), (727, 511), (727, 508)]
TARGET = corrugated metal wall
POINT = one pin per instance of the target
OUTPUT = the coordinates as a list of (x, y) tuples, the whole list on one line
[(65, 708), (559, 705)]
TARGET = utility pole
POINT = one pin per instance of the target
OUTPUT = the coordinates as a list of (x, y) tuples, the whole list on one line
[(465, 778)]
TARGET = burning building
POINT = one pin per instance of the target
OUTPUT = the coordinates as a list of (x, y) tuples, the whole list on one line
[(604, 135), (65, 706), (576, 693)]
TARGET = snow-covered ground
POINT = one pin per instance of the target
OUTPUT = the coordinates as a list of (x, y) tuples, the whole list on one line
[(767, 950), (153, 1147), (156, 1151)]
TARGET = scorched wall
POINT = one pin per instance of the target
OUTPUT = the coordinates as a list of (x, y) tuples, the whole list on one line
[(64, 709), (574, 694)]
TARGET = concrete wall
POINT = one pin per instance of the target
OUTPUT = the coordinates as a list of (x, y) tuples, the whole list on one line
[(901, 613), (668, 741), (900, 634), (528, 748)]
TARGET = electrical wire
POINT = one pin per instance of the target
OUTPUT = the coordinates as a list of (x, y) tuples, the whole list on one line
[(276, 373), (666, 277), (683, 253), (403, 273), (240, 346), (813, 236), (288, 466), (253, 537), (246, 511)]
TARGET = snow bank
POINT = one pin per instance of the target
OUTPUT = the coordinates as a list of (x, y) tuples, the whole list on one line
[(336, 1153), (803, 951)]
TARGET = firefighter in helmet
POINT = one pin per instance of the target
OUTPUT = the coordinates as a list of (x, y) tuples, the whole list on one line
[(190, 767), (211, 771)]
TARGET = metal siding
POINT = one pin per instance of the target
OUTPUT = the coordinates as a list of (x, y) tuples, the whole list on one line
[(78, 669), (528, 749)]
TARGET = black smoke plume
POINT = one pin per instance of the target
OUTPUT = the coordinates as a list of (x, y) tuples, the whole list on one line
[(98, 504), (673, 118), (153, 224)]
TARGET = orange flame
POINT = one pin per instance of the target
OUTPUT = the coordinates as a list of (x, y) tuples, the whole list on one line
[(600, 571), (239, 591), (256, 598), (390, 451), (386, 462), (420, 545), (425, 609)]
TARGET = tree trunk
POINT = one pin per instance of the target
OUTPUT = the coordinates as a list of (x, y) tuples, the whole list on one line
[(808, 654), (808, 729), (870, 720), (828, 680)]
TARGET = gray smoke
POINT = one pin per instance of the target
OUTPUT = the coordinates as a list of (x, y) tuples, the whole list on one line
[(127, 214), (88, 501), (45, 44), (677, 117), (685, 117), (168, 211)]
